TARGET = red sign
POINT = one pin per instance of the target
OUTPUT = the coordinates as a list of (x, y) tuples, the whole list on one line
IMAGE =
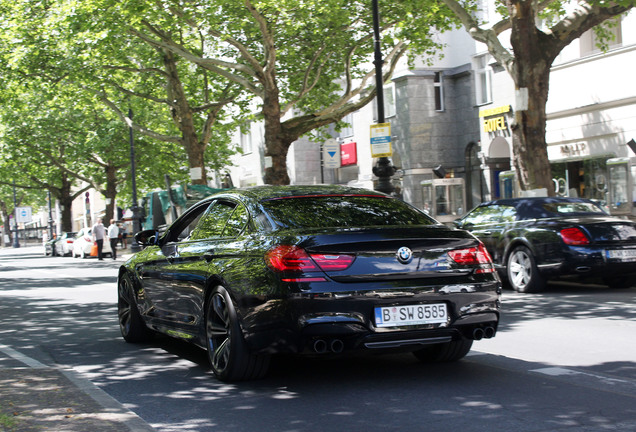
[(348, 154)]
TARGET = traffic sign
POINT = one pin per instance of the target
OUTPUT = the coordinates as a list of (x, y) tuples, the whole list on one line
[(331, 154), (23, 214), (381, 140)]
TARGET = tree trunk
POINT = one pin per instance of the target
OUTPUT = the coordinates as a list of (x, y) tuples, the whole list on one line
[(5, 224), (276, 145), (532, 74), (183, 118), (111, 193)]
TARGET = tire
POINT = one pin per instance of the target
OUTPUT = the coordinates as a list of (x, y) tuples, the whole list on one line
[(522, 272), (228, 353), (131, 324), (445, 352)]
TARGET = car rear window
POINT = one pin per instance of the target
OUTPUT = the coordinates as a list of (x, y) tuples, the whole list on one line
[(568, 208), (343, 211)]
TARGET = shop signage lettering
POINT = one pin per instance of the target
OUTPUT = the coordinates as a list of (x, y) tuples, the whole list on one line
[(575, 149), (494, 119), (495, 124)]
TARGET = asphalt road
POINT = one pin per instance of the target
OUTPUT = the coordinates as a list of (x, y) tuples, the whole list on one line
[(563, 360)]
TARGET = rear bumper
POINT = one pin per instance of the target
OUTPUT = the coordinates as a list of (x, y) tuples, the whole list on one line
[(323, 324), (590, 262)]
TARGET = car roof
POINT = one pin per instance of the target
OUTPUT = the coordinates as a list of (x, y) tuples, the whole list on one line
[(534, 207), (268, 192)]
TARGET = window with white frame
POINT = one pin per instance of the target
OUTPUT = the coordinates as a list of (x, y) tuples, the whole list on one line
[(483, 79), (347, 128), (602, 38), (246, 139), (389, 100), (438, 83)]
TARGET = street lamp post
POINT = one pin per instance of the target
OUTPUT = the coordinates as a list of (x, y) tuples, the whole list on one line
[(50, 216), (383, 169), (16, 242), (136, 225)]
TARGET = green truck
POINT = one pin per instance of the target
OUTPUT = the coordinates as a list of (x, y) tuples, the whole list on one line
[(162, 207)]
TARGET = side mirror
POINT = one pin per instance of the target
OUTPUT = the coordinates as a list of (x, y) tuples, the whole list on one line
[(146, 237)]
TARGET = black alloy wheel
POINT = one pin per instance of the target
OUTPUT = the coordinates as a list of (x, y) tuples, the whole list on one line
[(228, 353), (444, 352), (131, 323), (522, 272)]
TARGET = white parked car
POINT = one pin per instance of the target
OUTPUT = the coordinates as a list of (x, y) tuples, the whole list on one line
[(84, 243)]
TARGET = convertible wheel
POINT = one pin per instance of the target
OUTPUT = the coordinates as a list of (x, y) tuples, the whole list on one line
[(131, 323), (444, 352), (523, 274), (228, 353)]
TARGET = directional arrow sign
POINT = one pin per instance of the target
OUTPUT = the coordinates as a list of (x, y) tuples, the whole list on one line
[(331, 154)]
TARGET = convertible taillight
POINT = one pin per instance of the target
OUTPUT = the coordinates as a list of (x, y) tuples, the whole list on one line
[(473, 256), (284, 258), (574, 237)]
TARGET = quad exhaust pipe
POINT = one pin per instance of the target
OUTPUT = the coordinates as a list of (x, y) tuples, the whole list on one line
[(322, 346), (486, 332)]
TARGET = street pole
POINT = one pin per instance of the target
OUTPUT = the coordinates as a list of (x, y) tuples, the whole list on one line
[(136, 226), (383, 169), (16, 242), (50, 216)]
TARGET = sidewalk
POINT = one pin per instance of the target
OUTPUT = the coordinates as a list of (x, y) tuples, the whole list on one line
[(39, 397)]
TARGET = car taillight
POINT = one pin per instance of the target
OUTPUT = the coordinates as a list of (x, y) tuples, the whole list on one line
[(289, 258), (473, 256), (333, 262), (284, 258), (574, 237)]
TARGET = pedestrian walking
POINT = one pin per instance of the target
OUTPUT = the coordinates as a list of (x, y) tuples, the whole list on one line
[(124, 234), (99, 232), (113, 237)]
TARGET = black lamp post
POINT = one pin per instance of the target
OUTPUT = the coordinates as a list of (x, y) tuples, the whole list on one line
[(50, 216), (136, 225), (383, 169), (16, 242)]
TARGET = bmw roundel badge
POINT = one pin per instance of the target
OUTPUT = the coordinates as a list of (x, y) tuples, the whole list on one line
[(404, 255)]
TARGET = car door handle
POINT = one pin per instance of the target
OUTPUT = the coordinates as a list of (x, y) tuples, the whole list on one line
[(486, 233), (209, 255)]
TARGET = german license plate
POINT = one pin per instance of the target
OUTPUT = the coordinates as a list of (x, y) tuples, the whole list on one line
[(410, 315), (621, 254)]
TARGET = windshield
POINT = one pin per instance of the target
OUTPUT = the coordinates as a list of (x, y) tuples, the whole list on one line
[(343, 211)]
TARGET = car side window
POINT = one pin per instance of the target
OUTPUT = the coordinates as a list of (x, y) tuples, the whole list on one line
[(212, 223), (484, 215), (237, 222), (183, 230), (508, 214)]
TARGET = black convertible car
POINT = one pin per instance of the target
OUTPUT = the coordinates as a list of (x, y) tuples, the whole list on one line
[(534, 239), (308, 270)]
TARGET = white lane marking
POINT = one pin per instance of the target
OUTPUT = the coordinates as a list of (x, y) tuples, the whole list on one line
[(21, 357)]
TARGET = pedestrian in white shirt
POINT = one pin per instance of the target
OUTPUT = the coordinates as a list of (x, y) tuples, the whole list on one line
[(113, 237)]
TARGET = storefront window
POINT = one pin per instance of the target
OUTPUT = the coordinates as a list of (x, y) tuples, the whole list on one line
[(583, 178)]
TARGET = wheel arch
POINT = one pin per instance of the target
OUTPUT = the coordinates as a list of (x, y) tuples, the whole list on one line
[(513, 244)]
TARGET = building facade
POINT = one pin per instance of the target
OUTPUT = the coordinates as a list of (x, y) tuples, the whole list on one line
[(452, 119)]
